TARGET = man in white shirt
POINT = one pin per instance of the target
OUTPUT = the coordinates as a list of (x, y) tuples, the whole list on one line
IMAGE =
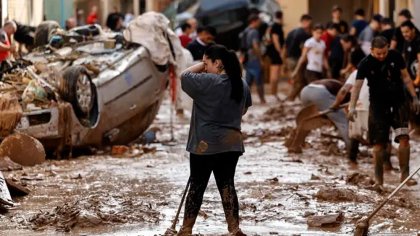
[(314, 53)]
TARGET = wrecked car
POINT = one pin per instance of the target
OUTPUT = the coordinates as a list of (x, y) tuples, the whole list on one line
[(103, 90)]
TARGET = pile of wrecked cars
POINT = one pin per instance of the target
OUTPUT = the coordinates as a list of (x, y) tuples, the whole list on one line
[(87, 87)]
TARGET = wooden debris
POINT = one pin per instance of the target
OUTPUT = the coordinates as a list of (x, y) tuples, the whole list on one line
[(10, 113), (17, 189)]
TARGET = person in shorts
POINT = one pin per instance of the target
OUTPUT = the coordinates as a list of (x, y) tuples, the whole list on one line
[(388, 82)]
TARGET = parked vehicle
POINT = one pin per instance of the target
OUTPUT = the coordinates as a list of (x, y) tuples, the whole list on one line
[(228, 17)]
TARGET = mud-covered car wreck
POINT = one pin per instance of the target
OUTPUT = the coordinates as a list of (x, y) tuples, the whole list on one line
[(93, 88)]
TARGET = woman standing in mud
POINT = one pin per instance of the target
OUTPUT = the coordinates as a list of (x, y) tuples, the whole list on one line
[(215, 140)]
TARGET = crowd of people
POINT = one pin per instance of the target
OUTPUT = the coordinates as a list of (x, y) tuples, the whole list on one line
[(374, 61)]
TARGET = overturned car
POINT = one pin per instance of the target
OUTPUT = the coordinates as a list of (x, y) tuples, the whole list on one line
[(97, 88)]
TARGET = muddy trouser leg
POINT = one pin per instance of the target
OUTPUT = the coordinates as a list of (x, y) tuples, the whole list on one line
[(379, 126), (298, 84), (379, 153), (400, 125), (201, 168), (259, 80), (224, 173), (387, 158), (404, 160), (353, 149)]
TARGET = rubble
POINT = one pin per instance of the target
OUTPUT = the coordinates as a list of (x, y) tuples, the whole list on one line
[(17, 189), (8, 165), (94, 210), (5, 198), (339, 195), (23, 149), (10, 113), (325, 220)]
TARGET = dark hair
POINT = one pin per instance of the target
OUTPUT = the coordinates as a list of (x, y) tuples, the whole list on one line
[(409, 24), (337, 8), (406, 13), (379, 42), (331, 25), (387, 21), (185, 26), (305, 17), (318, 27), (231, 66), (349, 38), (208, 29), (279, 14), (252, 18), (359, 12), (377, 18)]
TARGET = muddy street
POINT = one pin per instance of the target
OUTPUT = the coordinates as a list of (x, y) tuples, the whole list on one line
[(313, 193)]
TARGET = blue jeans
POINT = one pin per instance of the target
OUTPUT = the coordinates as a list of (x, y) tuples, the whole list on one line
[(323, 99), (253, 72)]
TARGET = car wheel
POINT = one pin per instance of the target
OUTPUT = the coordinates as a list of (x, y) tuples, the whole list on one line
[(43, 32), (77, 88)]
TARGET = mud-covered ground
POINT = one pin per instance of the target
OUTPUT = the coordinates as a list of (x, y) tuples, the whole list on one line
[(279, 193)]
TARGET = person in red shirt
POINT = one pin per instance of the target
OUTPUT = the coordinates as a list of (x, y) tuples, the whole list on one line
[(93, 16), (329, 35), (185, 38), (6, 45)]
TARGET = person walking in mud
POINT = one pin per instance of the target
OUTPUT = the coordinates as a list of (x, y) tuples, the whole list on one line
[(254, 61), (314, 53), (215, 142), (387, 76)]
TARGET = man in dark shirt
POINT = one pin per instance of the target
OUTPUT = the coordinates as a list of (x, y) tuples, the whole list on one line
[(387, 28), (411, 50), (295, 40), (205, 38), (359, 23), (411, 53), (336, 13), (294, 44), (398, 39), (387, 78)]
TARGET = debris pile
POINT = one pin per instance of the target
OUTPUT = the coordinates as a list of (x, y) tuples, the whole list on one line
[(95, 210)]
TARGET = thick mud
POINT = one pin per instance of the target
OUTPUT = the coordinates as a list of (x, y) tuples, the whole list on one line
[(312, 193)]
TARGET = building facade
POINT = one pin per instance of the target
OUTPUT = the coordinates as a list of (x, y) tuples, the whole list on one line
[(293, 9)]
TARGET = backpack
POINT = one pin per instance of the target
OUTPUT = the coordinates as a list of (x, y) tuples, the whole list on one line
[(243, 46)]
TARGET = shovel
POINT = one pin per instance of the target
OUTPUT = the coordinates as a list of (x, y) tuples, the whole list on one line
[(172, 230), (324, 112), (362, 226)]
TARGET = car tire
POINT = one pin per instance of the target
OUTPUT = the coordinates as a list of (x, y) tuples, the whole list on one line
[(77, 88), (43, 32)]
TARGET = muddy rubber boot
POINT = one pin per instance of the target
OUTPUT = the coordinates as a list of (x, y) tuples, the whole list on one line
[(237, 232), (378, 155), (353, 151), (404, 159), (387, 159), (185, 231)]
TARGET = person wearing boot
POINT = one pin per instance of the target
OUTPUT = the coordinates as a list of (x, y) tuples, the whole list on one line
[(387, 78), (359, 128), (215, 142)]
